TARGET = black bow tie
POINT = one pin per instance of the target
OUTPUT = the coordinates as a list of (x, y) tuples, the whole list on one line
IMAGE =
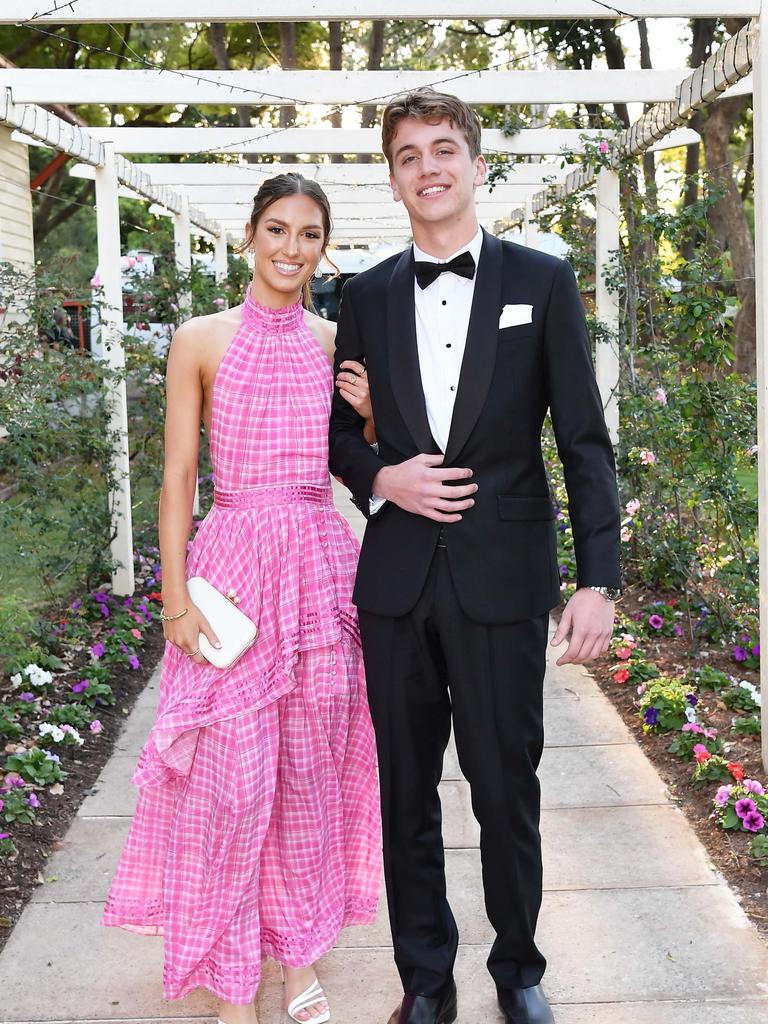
[(426, 273)]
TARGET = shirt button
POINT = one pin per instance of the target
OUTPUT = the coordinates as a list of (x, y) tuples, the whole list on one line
[(452, 388), (448, 345), (445, 302)]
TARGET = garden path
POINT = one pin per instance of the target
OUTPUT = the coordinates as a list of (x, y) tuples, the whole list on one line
[(637, 926)]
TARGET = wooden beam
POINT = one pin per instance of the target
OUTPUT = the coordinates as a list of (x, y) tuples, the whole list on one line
[(279, 88), (105, 11), (329, 175), (222, 141)]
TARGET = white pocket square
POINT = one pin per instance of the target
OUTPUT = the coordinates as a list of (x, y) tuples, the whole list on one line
[(513, 316)]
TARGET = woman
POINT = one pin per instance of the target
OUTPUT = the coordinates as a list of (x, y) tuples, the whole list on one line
[(257, 828)]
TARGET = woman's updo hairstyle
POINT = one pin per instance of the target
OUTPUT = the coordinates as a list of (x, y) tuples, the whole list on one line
[(279, 187)]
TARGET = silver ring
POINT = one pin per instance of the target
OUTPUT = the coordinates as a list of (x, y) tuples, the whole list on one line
[(193, 653)]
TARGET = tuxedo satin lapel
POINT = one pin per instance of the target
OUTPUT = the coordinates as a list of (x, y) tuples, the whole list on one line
[(404, 353), (480, 350)]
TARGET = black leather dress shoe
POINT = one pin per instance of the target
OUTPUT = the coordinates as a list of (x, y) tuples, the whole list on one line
[(427, 1010), (525, 1006)]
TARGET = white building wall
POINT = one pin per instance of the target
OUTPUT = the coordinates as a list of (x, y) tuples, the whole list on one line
[(16, 238)]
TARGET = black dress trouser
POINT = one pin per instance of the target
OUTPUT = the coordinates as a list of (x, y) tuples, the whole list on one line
[(421, 668)]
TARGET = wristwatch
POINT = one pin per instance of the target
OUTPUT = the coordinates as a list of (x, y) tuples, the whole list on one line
[(609, 593)]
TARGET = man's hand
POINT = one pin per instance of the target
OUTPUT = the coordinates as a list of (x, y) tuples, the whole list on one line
[(418, 486), (588, 617)]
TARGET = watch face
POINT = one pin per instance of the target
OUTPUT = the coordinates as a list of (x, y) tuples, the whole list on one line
[(613, 593)]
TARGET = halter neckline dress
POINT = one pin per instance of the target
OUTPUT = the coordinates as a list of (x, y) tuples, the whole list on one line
[(257, 829)]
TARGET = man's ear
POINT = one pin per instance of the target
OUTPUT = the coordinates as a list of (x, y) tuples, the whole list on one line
[(395, 190), (481, 170)]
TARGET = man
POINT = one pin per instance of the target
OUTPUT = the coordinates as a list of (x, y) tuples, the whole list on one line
[(467, 341)]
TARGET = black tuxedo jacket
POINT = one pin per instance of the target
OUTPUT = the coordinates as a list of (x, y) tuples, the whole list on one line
[(502, 554)]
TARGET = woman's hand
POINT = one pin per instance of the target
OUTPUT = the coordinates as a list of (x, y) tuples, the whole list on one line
[(184, 633), (352, 383)]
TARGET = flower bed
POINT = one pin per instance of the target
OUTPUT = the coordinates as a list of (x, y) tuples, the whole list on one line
[(696, 715), (62, 705)]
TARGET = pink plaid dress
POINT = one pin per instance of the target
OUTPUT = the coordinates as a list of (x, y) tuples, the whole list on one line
[(257, 827)]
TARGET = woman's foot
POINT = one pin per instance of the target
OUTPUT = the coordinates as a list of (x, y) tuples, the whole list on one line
[(297, 980), (229, 1013)]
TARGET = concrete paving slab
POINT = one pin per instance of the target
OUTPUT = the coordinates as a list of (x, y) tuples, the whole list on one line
[(137, 727), (589, 720), (113, 793), (84, 866), (569, 682), (653, 1012), (629, 945)]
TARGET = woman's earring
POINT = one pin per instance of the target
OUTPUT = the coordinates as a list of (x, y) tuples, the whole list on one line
[(250, 259)]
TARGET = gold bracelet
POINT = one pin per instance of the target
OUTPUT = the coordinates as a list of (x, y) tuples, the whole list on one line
[(170, 618)]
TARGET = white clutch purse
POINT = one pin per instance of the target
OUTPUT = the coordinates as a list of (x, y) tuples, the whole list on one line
[(236, 632)]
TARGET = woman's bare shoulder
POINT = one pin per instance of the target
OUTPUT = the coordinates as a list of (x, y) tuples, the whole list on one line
[(193, 338)]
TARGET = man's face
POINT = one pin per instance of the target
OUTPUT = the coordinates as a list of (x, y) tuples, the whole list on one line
[(433, 173)]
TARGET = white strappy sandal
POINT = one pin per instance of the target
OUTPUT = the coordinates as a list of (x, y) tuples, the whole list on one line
[(311, 995)]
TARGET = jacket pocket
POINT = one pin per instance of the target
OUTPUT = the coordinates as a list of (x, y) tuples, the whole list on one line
[(525, 506)]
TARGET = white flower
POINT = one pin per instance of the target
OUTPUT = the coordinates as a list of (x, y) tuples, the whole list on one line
[(757, 697), (16, 680), (746, 685), (690, 714), (632, 506), (49, 729)]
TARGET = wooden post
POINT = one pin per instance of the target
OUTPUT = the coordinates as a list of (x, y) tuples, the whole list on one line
[(221, 256), (108, 229), (607, 302)]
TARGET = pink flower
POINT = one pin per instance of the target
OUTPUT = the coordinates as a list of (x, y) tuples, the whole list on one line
[(745, 806), (661, 396), (131, 261), (647, 458), (219, 302), (603, 146), (623, 653), (621, 676), (753, 822), (632, 506), (96, 280), (139, 258), (655, 621), (753, 786), (722, 795), (136, 633), (96, 726), (701, 753)]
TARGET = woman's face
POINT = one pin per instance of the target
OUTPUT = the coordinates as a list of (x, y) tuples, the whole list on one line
[(287, 245)]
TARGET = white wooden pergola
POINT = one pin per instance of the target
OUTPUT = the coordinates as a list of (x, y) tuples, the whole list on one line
[(214, 197)]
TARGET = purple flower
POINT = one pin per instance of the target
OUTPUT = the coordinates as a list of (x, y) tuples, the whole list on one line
[(76, 605), (82, 685), (27, 696), (134, 662), (33, 800), (96, 726), (753, 822), (563, 570), (678, 630), (655, 621), (739, 653), (753, 786), (5, 835), (745, 806), (755, 651), (651, 716), (721, 796), (52, 757), (692, 699), (98, 649), (14, 783)]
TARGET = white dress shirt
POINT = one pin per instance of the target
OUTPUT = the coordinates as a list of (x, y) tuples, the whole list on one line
[(442, 322)]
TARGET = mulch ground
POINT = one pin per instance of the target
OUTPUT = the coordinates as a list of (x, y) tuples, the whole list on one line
[(728, 851), (20, 875)]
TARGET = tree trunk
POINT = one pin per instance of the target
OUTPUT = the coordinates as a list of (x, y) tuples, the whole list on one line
[(375, 56), (614, 58), (730, 222), (649, 160), (336, 55), (287, 63), (221, 53), (701, 46)]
